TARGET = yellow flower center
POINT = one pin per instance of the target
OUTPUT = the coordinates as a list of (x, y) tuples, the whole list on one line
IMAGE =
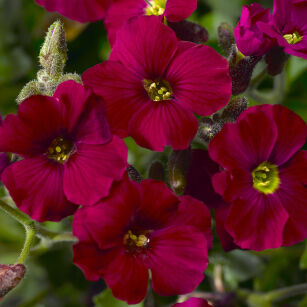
[(293, 38), (266, 178), (155, 7), (136, 242), (60, 149), (158, 90)]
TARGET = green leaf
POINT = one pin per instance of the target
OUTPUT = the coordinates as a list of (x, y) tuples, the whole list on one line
[(106, 299)]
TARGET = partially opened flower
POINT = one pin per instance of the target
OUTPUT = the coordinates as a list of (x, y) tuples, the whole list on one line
[(142, 227), (69, 155), (153, 83), (193, 302), (288, 26), (250, 39), (122, 10), (264, 177), (79, 10)]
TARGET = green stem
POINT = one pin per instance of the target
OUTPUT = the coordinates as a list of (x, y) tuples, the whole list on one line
[(34, 229), (283, 293)]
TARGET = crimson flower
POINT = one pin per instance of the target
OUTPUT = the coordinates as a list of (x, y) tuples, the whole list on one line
[(288, 26), (193, 302), (122, 10), (4, 158), (264, 177), (79, 10), (140, 227), (153, 83), (69, 155), (250, 39)]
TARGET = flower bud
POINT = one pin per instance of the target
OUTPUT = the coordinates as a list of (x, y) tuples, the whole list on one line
[(10, 276), (208, 128), (70, 76), (156, 171), (53, 54), (189, 31), (276, 59), (241, 70), (234, 108), (28, 90), (226, 37), (178, 165)]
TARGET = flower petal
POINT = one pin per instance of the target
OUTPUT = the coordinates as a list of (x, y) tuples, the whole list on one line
[(139, 48), (30, 132), (122, 91), (90, 172), (257, 222), (163, 123), (177, 258), (200, 79), (127, 277), (177, 10), (36, 186)]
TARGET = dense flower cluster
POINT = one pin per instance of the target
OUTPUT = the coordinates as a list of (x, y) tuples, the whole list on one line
[(258, 30), (63, 154)]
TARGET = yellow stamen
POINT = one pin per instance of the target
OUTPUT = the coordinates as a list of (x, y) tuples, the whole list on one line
[(155, 7), (158, 90), (60, 150), (293, 38)]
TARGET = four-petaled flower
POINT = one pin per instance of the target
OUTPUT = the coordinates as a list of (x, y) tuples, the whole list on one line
[(142, 227), (153, 83), (69, 155), (264, 177)]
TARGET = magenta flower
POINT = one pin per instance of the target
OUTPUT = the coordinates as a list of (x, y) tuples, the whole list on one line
[(153, 83), (69, 155), (4, 158), (142, 227), (288, 26), (122, 10), (249, 38), (264, 177), (79, 10), (193, 302)]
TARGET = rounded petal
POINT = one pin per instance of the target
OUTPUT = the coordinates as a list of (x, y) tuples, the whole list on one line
[(158, 124), (91, 170), (127, 277), (85, 117), (177, 258), (199, 78), (177, 10), (4, 162), (257, 222), (30, 132), (119, 12), (145, 46), (79, 10), (36, 186), (192, 212), (292, 134), (246, 143), (158, 202), (106, 221), (122, 91)]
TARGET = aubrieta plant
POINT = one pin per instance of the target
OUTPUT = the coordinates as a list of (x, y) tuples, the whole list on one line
[(233, 169)]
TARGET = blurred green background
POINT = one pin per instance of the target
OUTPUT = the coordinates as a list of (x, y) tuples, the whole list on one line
[(52, 279)]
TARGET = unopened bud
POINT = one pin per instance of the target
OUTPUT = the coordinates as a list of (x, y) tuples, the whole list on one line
[(234, 108), (241, 69), (189, 31), (208, 129), (156, 171), (178, 165), (134, 174), (226, 37), (70, 76), (276, 59), (29, 89), (10, 276), (53, 54)]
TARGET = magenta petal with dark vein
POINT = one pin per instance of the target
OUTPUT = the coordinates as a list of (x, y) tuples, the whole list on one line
[(176, 10)]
